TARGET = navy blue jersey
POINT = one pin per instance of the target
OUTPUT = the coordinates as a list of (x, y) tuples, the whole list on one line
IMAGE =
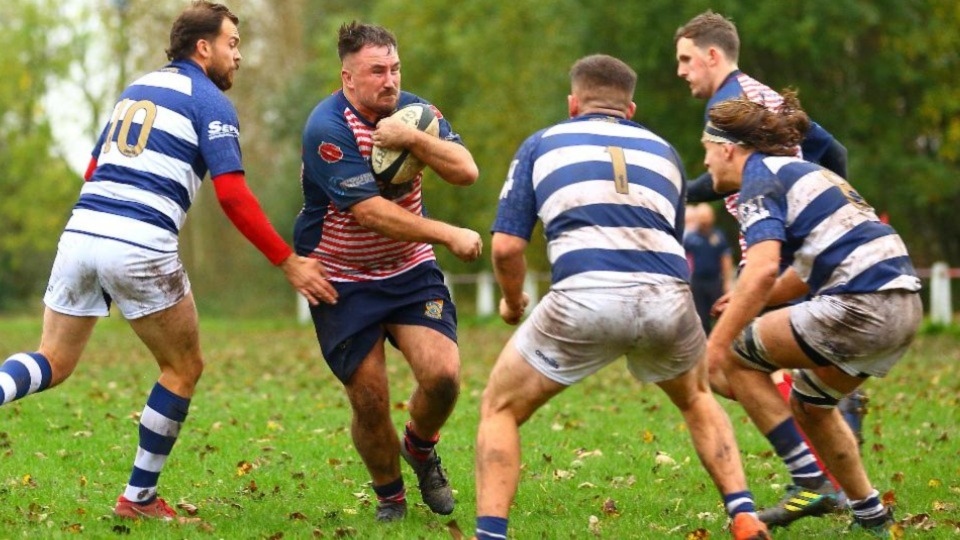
[(169, 128), (600, 232), (706, 253), (738, 84), (829, 234), (335, 175)]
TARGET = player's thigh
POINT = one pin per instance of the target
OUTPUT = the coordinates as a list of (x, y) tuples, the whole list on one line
[(172, 335), (688, 386), (368, 386), (516, 387), (62, 341), (776, 340), (430, 353)]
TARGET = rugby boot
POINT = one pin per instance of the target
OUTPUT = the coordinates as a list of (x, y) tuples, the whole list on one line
[(747, 527), (801, 502), (155, 509), (391, 511), (432, 480), (880, 526)]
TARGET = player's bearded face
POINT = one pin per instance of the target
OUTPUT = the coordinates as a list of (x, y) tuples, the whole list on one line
[(375, 78), (225, 56)]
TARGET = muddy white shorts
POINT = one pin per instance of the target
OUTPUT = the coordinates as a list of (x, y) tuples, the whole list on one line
[(572, 334), (862, 334), (90, 272)]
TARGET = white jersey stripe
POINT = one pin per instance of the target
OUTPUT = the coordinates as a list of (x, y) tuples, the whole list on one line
[(613, 238), (157, 164), (140, 232), (865, 256), (561, 157), (166, 79), (125, 192), (602, 192), (605, 279)]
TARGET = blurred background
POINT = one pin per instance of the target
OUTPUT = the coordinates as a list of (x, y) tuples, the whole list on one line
[(879, 74)]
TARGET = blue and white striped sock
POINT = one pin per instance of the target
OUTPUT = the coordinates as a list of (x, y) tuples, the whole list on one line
[(796, 455), (159, 427), (23, 374), (491, 528), (739, 502), (870, 508)]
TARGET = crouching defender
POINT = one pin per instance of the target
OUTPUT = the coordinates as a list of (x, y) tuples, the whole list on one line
[(863, 308)]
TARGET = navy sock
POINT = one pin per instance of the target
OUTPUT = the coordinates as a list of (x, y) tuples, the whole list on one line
[(491, 528), (418, 447), (393, 492)]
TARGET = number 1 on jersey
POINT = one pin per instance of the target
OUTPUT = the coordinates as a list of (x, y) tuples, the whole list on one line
[(619, 162)]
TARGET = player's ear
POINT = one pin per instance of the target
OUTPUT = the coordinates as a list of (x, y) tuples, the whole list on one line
[(203, 48), (573, 105), (631, 110)]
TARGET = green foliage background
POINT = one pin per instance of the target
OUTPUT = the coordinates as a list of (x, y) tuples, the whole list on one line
[(878, 74)]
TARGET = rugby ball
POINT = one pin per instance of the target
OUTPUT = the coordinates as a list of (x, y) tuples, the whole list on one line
[(400, 166)]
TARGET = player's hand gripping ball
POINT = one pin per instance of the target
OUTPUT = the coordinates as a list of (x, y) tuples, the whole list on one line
[(400, 166)]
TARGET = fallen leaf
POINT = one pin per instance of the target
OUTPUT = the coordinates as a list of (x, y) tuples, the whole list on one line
[(610, 507), (698, 534), (648, 436), (297, 516), (75, 528), (933, 483), (190, 509), (889, 498), (593, 525), (897, 477)]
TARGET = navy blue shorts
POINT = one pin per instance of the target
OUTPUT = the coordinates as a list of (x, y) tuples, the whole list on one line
[(348, 330)]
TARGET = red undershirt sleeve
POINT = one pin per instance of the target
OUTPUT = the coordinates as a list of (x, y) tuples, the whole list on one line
[(243, 209), (90, 167)]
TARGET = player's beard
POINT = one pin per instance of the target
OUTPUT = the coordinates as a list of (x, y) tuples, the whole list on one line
[(383, 109), (222, 78)]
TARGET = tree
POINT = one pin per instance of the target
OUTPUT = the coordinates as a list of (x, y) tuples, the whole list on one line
[(36, 186)]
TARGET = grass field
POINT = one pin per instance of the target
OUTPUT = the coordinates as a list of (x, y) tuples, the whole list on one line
[(266, 452)]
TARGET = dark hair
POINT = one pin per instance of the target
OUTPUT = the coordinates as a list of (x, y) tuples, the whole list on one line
[(601, 79), (202, 20), (776, 132), (709, 28), (354, 36)]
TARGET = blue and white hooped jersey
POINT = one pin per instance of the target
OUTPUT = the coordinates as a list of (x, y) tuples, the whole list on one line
[(829, 234), (169, 128), (603, 230)]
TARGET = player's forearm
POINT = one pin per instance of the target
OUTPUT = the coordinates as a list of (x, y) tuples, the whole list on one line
[(748, 299), (510, 273), (788, 287), (386, 218), (451, 161), (509, 266)]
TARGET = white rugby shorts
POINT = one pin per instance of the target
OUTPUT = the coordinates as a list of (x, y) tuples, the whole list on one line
[(861, 334), (572, 334), (90, 271)]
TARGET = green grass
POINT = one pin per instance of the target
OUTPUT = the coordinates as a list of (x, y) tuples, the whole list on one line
[(266, 451)]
